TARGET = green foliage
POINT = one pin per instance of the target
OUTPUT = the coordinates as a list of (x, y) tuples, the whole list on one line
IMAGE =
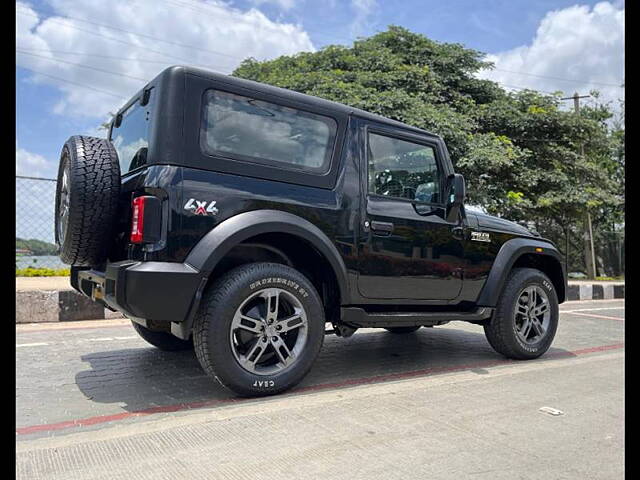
[(520, 152), (36, 247), (42, 272)]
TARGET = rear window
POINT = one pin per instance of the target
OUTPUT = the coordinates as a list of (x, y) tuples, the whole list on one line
[(257, 131), (131, 137)]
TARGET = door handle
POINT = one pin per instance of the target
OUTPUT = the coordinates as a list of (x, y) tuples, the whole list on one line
[(384, 228)]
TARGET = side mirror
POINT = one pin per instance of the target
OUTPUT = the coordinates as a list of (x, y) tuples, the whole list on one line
[(455, 196)]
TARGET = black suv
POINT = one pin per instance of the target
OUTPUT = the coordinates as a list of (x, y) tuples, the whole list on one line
[(239, 218)]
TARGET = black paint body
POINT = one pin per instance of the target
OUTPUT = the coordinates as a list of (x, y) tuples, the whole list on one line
[(425, 262)]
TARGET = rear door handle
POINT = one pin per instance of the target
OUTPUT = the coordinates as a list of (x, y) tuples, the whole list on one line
[(384, 228)]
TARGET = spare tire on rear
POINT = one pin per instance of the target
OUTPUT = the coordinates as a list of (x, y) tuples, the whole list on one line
[(86, 200)]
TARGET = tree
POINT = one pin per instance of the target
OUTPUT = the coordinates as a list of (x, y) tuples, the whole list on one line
[(520, 152)]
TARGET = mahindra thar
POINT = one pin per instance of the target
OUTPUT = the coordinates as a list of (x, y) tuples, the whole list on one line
[(238, 219)]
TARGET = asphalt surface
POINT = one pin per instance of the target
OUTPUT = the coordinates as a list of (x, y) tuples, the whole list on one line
[(95, 401)]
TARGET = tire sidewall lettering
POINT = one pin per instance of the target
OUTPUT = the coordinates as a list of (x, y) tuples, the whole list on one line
[(279, 282)]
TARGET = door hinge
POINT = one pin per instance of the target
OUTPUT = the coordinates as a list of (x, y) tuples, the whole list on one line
[(458, 233)]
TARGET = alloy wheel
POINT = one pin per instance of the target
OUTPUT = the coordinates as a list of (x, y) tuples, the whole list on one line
[(63, 206), (268, 331), (532, 314)]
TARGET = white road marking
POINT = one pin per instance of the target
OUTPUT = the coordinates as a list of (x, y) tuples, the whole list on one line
[(606, 317), (41, 344), (591, 309)]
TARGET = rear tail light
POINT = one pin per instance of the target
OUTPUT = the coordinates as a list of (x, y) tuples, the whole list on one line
[(137, 220), (146, 220)]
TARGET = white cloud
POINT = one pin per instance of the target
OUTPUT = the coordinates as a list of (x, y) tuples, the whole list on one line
[(582, 48), (194, 32), (283, 4), (33, 164), (364, 10)]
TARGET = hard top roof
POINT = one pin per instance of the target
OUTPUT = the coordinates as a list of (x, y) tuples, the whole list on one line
[(291, 95)]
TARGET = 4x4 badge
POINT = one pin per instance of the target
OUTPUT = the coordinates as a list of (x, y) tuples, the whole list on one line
[(480, 237), (201, 208)]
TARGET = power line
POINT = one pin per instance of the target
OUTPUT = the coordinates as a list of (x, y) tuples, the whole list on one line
[(522, 88), (114, 57), (78, 84), (169, 55), (88, 54), (559, 78), (216, 52), (92, 32), (81, 65), (24, 51), (182, 45), (188, 46)]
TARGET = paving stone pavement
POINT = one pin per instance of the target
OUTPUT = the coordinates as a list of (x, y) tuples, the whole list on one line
[(84, 371)]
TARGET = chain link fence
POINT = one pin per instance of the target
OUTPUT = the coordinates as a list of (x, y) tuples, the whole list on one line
[(35, 237)]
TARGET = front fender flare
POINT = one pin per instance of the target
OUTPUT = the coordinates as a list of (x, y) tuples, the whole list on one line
[(507, 256)]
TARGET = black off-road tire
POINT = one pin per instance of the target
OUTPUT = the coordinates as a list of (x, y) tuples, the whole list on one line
[(93, 174), (501, 330), (162, 340), (213, 323), (400, 330)]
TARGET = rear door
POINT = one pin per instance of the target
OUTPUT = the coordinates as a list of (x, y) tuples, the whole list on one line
[(408, 249)]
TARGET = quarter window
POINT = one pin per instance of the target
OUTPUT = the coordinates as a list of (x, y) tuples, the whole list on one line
[(131, 137), (402, 169), (258, 131)]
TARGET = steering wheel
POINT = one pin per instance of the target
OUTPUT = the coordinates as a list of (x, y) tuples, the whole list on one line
[(386, 185)]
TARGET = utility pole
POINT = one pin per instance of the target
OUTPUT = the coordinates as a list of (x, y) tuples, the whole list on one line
[(576, 106)]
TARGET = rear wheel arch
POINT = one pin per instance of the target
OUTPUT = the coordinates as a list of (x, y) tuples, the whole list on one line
[(290, 250), (274, 236)]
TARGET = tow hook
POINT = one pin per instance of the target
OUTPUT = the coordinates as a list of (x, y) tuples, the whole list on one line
[(96, 293)]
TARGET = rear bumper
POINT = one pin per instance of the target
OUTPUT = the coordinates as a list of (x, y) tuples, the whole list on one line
[(158, 291)]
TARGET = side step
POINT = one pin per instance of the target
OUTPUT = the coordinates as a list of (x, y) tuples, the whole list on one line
[(359, 317)]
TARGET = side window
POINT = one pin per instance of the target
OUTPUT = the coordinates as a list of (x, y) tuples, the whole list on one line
[(402, 169), (263, 132)]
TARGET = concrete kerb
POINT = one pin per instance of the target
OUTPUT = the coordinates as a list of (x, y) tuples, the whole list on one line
[(42, 300), (595, 291)]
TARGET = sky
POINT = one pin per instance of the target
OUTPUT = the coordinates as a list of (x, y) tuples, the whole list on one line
[(78, 60)]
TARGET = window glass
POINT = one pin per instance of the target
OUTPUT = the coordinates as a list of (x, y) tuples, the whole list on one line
[(402, 169), (131, 137), (255, 130)]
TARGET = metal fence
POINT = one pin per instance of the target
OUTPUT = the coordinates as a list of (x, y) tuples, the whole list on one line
[(35, 241), (35, 237)]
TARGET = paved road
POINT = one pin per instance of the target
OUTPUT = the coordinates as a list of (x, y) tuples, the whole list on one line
[(94, 401)]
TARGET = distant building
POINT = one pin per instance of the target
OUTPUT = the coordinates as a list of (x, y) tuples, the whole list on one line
[(23, 251)]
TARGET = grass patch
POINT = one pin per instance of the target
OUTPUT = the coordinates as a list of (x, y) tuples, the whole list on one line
[(42, 272)]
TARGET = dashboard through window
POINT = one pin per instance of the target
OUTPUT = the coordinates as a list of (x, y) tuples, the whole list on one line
[(402, 169)]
